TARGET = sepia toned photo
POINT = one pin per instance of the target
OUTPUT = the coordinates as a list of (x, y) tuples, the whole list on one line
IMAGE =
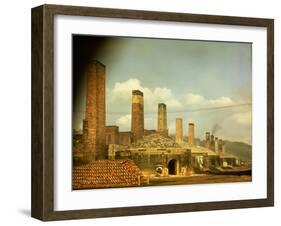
[(157, 112)]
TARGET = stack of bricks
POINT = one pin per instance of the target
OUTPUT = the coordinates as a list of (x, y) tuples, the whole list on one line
[(148, 132), (106, 173)]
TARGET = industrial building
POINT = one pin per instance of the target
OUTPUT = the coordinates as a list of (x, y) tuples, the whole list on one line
[(154, 152)]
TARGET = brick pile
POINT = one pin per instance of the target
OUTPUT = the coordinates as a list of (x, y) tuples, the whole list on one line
[(155, 141), (105, 174)]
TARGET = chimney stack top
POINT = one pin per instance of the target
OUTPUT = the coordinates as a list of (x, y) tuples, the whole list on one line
[(137, 92)]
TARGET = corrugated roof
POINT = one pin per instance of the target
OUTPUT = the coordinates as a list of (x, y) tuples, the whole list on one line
[(105, 174)]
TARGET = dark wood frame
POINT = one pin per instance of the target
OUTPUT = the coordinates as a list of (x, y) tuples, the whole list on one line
[(42, 203)]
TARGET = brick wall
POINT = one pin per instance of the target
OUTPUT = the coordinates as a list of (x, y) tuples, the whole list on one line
[(125, 138), (111, 135)]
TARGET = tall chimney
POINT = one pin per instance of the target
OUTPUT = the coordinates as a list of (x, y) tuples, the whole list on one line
[(220, 143), (216, 144), (212, 142), (207, 144), (94, 122), (191, 134), (162, 119), (137, 123), (179, 130), (223, 147)]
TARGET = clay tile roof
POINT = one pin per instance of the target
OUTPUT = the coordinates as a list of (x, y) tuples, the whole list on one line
[(105, 174)]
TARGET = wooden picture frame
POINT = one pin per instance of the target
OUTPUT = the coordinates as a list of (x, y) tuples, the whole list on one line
[(42, 203)]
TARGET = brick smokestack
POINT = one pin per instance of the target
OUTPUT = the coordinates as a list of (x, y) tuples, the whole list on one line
[(216, 144), (179, 135), (220, 143), (223, 147), (208, 142), (212, 142), (94, 123), (162, 119), (137, 123), (191, 134)]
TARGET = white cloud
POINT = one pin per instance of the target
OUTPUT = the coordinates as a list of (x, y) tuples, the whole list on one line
[(173, 104), (122, 92), (196, 99), (162, 93), (191, 99), (120, 98), (221, 101), (124, 122)]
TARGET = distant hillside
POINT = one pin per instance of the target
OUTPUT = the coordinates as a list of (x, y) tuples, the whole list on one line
[(239, 149)]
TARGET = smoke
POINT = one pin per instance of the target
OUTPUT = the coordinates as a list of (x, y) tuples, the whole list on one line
[(215, 128)]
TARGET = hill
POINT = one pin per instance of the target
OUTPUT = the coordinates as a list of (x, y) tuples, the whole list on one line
[(239, 149)]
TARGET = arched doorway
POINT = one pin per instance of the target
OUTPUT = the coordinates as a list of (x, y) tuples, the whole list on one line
[(172, 167)]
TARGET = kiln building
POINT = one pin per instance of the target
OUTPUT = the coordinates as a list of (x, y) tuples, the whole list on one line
[(151, 150)]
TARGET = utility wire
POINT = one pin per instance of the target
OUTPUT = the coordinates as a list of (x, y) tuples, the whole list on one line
[(181, 111)]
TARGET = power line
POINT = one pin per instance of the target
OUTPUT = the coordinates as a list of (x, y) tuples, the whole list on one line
[(181, 111)]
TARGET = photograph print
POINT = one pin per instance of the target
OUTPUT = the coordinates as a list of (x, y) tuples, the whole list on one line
[(159, 112)]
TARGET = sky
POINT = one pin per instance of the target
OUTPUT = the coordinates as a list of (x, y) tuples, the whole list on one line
[(204, 82)]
